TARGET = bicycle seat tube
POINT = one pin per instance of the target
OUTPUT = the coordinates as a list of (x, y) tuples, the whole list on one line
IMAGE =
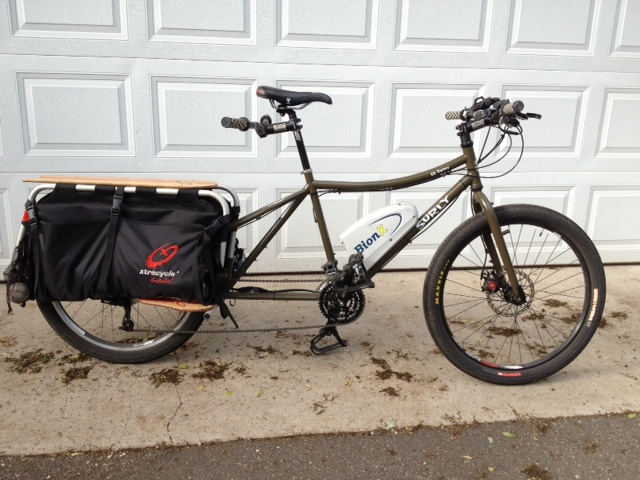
[(313, 193)]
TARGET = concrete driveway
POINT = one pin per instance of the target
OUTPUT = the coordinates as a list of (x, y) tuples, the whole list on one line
[(268, 385)]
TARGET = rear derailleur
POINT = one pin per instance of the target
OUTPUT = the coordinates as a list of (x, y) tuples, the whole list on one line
[(342, 302)]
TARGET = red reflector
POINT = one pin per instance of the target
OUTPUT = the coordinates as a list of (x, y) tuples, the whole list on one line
[(492, 286), (25, 217), (488, 364)]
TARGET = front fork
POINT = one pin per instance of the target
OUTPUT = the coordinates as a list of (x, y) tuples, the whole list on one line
[(497, 248)]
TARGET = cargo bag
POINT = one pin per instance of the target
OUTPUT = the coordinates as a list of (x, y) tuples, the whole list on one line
[(110, 245)]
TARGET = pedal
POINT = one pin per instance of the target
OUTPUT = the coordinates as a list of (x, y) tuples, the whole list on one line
[(328, 331)]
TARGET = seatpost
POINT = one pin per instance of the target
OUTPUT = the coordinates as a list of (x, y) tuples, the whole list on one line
[(331, 264), (302, 151)]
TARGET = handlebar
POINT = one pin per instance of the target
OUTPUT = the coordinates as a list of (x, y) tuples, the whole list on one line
[(483, 113), (489, 111), (262, 128), (243, 124)]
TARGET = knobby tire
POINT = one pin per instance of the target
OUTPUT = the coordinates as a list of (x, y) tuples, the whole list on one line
[(486, 336)]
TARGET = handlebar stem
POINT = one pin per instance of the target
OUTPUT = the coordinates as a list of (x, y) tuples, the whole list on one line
[(465, 139)]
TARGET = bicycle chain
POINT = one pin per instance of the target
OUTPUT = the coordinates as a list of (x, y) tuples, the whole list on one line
[(269, 280)]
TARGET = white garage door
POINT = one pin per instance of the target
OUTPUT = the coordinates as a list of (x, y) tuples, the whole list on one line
[(137, 88)]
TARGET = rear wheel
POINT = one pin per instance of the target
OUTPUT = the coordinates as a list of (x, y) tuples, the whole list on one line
[(101, 330), (478, 324)]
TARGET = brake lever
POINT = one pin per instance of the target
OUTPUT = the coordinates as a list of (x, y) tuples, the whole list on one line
[(527, 116)]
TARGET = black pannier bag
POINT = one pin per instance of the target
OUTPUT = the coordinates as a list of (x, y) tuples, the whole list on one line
[(110, 245)]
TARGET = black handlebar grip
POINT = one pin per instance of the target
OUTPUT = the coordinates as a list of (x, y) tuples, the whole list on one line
[(241, 123), (478, 124), (513, 108), (453, 115)]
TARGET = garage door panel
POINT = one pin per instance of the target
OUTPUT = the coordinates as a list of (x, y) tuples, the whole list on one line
[(197, 21), (454, 26), (76, 115), (565, 28), (187, 113), (327, 24), (105, 20), (1, 137), (342, 129), (560, 132), (626, 39), (615, 230), (619, 108), (418, 127)]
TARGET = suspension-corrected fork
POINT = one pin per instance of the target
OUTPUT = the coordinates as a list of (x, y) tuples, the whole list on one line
[(494, 242), (497, 247)]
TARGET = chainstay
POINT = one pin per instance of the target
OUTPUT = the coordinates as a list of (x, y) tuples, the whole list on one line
[(239, 330)]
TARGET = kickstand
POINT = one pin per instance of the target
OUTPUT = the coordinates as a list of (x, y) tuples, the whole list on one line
[(328, 331)]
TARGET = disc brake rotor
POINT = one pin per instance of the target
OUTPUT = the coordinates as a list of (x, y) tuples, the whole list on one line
[(504, 308)]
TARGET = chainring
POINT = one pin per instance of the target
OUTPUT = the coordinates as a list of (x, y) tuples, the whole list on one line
[(341, 308)]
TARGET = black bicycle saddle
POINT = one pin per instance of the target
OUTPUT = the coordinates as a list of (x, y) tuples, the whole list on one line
[(288, 98)]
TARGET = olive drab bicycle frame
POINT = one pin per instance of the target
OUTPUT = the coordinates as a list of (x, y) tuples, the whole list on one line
[(511, 296), (472, 180)]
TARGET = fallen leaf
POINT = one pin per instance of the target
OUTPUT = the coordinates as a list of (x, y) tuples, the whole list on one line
[(228, 393), (201, 388), (492, 469), (183, 367), (490, 440), (632, 415), (467, 457), (509, 434), (260, 392)]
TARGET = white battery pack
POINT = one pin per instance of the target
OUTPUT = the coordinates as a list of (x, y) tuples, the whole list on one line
[(374, 234)]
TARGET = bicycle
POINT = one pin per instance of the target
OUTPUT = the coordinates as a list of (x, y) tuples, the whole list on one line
[(511, 296)]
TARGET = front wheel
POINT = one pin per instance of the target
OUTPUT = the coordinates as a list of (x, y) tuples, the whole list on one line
[(481, 327), (103, 331)]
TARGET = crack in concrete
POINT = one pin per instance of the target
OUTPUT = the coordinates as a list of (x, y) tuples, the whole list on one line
[(175, 414)]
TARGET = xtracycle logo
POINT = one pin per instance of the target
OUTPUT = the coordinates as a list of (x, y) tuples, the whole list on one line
[(162, 255), (159, 257)]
